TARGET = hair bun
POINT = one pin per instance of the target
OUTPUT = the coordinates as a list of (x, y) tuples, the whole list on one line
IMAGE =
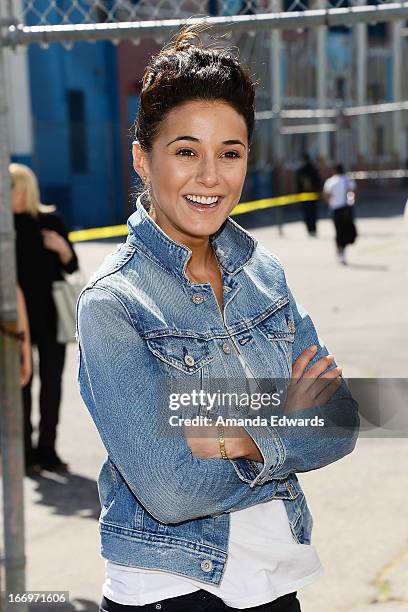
[(188, 37)]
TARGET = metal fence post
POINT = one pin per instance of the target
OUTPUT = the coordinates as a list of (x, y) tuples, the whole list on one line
[(11, 422)]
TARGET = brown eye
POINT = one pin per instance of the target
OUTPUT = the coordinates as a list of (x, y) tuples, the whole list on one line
[(232, 154), (185, 152)]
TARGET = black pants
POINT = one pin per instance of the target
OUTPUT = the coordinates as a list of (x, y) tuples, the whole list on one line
[(201, 601), (309, 210), (346, 232), (51, 361)]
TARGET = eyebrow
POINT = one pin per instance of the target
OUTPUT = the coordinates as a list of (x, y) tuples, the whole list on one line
[(193, 139)]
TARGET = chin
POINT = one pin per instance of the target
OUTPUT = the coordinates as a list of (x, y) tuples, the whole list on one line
[(199, 230)]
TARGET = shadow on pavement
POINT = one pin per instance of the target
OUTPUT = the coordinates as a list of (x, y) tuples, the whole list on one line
[(68, 494), (367, 267)]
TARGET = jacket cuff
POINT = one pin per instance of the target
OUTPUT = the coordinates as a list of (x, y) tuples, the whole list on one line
[(272, 450)]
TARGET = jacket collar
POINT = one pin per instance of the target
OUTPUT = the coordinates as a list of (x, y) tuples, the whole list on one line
[(233, 246)]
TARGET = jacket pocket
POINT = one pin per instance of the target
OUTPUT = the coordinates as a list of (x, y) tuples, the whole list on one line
[(185, 354), (278, 330), (278, 326)]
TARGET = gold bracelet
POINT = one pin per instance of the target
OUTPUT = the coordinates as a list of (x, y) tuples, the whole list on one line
[(221, 441)]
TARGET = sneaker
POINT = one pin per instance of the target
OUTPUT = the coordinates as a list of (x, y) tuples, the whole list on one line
[(32, 469), (50, 461), (341, 256)]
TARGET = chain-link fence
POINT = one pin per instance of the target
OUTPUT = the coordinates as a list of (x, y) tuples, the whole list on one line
[(59, 12)]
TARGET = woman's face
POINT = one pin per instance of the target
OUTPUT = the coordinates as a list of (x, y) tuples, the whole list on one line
[(201, 151), (18, 196)]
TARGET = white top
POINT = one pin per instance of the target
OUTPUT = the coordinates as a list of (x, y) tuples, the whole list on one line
[(264, 562), (340, 188)]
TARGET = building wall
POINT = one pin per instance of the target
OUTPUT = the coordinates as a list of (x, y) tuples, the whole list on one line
[(18, 102), (132, 60), (75, 129)]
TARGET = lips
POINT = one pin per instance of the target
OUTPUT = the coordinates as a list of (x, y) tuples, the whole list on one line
[(201, 199), (201, 202)]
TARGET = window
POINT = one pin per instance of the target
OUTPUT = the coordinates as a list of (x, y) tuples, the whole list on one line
[(77, 131)]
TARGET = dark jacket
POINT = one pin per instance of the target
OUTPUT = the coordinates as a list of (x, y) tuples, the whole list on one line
[(308, 178), (38, 267)]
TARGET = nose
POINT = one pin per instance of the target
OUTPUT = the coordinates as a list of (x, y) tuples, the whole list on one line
[(207, 172)]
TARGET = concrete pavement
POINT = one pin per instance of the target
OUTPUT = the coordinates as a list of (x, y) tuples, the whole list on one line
[(359, 503)]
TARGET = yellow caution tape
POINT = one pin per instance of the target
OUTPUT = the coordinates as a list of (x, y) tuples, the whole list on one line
[(113, 231), (95, 233), (295, 198)]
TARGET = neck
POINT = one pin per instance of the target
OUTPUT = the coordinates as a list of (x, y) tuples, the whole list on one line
[(202, 253)]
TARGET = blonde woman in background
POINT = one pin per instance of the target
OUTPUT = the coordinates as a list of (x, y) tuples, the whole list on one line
[(44, 254)]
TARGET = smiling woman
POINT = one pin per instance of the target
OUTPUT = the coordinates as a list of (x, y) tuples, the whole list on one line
[(197, 515), (196, 178)]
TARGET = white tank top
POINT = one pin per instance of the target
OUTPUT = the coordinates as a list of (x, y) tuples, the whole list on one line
[(262, 565)]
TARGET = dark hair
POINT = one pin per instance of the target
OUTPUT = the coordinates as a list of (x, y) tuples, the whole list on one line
[(339, 169), (184, 71)]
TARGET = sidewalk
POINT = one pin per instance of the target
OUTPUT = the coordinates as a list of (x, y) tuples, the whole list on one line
[(359, 504)]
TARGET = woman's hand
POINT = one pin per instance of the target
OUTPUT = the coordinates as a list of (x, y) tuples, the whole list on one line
[(25, 347), (315, 386), (26, 366), (57, 243)]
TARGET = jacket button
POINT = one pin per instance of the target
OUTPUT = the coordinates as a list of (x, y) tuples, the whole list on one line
[(189, 360), (226, 348), (291, 327), (206, 565), (198, 298)]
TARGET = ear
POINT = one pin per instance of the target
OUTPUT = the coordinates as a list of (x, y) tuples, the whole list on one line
[(140, 163)]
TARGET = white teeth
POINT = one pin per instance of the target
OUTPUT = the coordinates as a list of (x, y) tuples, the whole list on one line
[(202, 200)]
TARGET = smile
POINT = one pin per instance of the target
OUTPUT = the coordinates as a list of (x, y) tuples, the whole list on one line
[(202, 200)]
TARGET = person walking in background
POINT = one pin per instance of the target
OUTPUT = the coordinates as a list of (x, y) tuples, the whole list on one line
[(308, 181), (339, 194), (43, 254)]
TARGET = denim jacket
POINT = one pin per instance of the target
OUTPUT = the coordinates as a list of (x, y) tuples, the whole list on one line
[(142, 323)]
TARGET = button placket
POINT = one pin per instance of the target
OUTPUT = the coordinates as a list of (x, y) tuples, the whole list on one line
[(226, 348)]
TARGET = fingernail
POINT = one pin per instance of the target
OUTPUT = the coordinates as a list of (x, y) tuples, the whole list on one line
[(313, 348)]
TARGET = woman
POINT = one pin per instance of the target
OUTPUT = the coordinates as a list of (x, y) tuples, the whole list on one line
[(44, 254), (192, 304)]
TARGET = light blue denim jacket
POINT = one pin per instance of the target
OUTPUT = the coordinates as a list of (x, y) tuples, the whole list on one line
[(140, 324)]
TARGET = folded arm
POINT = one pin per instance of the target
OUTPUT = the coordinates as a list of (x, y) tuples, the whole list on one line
[(127, 402), (288, 449)]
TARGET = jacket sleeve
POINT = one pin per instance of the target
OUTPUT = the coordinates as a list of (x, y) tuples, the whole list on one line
[(286, 448), (127, 403)]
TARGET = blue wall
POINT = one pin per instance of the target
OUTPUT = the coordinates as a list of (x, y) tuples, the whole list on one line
[(77, 150)]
